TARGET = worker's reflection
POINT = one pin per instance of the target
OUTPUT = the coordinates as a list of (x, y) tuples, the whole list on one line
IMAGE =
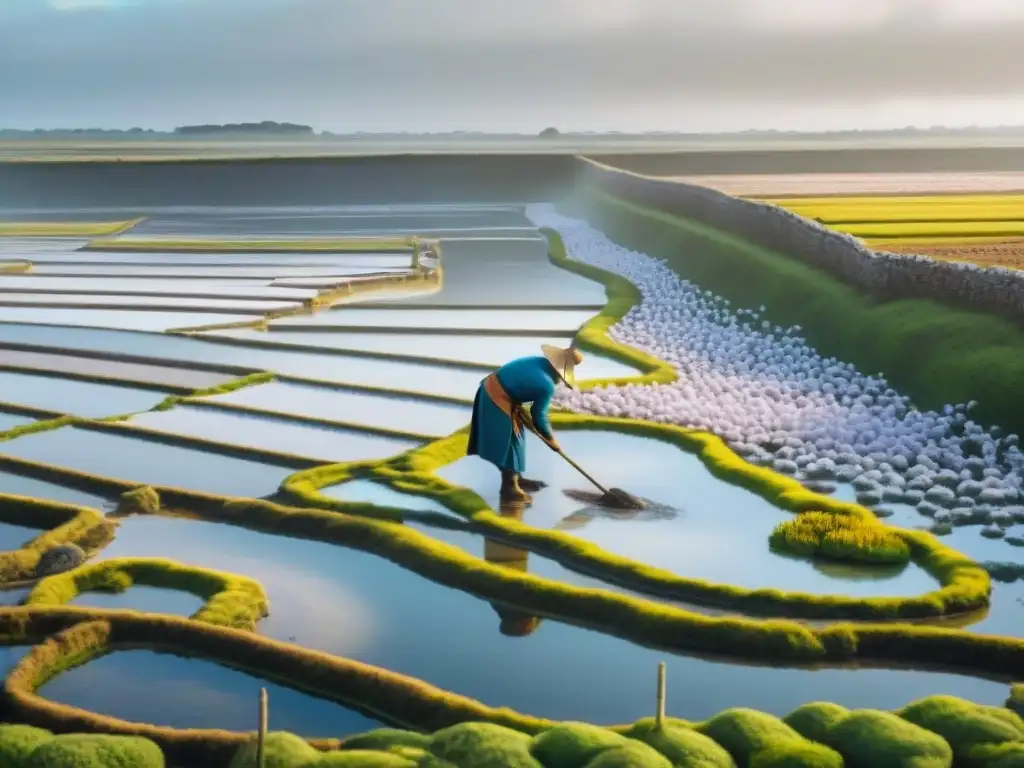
[(514, 622)]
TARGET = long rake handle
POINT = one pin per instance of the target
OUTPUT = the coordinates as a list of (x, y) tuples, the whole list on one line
[(529, 423)]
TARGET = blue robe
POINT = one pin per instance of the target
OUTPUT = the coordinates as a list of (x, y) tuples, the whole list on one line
[(491, 437)]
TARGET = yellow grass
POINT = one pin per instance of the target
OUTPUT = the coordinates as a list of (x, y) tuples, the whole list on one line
[(64, 228), (963, 229), (939, 220), (880, 212)]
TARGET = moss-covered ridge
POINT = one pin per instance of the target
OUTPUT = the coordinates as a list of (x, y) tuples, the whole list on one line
[(58, 523), (67, 228), (633, 618), (230, 600), (401, 700), (966, 586)]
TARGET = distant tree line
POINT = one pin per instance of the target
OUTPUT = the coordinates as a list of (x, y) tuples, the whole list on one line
[(57, 132), (263, 128)]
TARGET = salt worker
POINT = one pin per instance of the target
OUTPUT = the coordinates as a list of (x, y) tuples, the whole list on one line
[(498, 430)]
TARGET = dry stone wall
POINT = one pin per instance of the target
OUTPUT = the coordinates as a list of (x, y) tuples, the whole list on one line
[(888, 276)]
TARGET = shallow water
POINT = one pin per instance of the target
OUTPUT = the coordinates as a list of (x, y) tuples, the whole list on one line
[(10, 421), (77, 398), (13, 537), (316, 442), (478, 349), (130, 320), (720, 533), (474, 543), (1006, 613), (509, 272), (11, 655), (18, 485), (560, 320), (417, 416), (194, 693), (434, 379), (165, 303), (130, 458), (161, 375), (141, 597), (323, 224), (354, 604), (234, 259), (11, 597), (206, 273)]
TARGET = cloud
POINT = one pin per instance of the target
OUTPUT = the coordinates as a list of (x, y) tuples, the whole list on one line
[(374, 64)]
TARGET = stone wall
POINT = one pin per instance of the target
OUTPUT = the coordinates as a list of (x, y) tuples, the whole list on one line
[(888, 276)]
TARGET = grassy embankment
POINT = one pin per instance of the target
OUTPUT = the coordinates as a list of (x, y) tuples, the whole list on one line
[(931, 352), (66, 228)]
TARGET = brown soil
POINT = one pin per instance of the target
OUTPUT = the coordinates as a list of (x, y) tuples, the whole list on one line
[(1006, 253)]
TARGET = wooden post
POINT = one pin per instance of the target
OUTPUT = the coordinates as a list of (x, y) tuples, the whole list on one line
[(659, 717), (261, 734)]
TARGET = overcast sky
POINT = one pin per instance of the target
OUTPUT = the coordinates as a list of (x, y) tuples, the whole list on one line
[(517, 65)]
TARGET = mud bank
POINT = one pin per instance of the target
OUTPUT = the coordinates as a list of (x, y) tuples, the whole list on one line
[(286, 181)]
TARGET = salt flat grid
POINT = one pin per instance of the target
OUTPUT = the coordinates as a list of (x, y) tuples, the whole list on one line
[(243, 420), (421, 320), (63, 364), (168, 303), (199, 272), (255, 289)]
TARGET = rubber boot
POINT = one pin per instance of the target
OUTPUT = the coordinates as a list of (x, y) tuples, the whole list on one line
[(531, 486), (510, 490)]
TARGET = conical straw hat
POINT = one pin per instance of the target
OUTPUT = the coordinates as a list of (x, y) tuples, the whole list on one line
[(564, 361)]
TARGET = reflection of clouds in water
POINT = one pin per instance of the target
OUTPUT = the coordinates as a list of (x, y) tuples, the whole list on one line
[(118, 692), (318, 612)]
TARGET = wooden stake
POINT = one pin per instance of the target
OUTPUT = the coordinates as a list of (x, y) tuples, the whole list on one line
[(659, 717), (261, 734)]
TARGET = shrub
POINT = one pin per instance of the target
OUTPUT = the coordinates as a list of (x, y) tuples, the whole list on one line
[(18, 741), (359, 758), (839, 537), (870, 739), (813, 721), (281, 750), (572, 745), (386, 739), (483, 745), (963, 724), (682, 745), (96, 751), (745, 733), (634, 754), (790, 755)]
